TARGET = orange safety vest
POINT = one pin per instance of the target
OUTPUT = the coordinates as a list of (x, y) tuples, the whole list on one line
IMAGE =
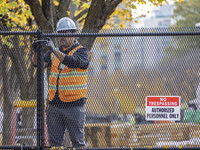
[(71, 81)]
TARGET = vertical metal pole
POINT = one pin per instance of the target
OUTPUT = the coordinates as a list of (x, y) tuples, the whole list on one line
[(40, 96)]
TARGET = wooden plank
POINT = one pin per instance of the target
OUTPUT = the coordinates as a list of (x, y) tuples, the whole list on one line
[(139, 135)]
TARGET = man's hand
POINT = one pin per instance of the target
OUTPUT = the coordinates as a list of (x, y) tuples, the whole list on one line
[(49, 45), (46, 44), (37, 44)]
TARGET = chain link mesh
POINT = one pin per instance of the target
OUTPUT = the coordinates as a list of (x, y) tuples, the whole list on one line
[(123, 71)]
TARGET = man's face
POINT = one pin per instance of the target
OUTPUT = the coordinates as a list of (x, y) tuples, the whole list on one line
[(66, 42)]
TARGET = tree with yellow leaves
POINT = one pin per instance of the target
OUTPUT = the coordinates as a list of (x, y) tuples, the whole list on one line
[(90, 14)]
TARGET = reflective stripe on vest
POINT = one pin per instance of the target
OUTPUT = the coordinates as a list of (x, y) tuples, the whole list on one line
[(68, 87), (71, 83)]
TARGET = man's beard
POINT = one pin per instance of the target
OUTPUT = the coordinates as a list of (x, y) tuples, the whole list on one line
[(65, 44)]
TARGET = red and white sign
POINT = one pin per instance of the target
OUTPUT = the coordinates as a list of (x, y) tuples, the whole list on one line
[(163, 108)]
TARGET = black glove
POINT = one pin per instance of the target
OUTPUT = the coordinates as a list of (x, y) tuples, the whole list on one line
[(37, 44), (49, 45)]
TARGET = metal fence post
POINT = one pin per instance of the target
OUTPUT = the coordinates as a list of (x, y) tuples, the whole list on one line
[(40, 95)]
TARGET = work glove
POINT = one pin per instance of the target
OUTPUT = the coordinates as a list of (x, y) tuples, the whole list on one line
[(37, 44), (49, 45)]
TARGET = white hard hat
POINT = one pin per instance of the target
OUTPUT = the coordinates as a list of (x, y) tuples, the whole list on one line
[(66, 24)]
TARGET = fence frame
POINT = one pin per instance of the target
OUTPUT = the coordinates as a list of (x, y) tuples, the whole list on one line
[(40, 79)]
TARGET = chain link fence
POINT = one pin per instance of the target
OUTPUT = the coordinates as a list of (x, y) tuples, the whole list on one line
[(127, 67)]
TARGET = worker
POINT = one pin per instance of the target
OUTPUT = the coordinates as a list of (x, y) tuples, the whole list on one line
[(67, 85)]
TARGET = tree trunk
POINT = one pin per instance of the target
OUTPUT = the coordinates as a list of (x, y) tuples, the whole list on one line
[(26, 82), (98, 13), (10, 93), (27, 87), (6, 104)]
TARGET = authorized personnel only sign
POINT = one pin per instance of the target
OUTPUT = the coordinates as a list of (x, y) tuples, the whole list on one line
[(163, 108)]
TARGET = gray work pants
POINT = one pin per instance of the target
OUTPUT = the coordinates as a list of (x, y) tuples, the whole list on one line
[(70, 118)]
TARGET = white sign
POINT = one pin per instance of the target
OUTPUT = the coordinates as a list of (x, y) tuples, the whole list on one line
[(161, 108)]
